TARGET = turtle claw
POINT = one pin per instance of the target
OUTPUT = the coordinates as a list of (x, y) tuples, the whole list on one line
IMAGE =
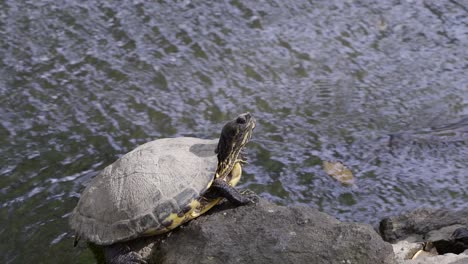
[(220, 188), (242, 159), (250, 197), (249, 201)]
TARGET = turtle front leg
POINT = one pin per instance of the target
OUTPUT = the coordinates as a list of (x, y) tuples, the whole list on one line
[(121, 254), (221, 188)]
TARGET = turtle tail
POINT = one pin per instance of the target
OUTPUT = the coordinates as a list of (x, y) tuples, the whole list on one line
[(76, 240)]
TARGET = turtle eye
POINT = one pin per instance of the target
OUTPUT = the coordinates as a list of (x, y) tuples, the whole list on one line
[(240, 120)]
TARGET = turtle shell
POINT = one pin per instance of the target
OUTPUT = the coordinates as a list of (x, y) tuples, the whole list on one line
[(142, 192)]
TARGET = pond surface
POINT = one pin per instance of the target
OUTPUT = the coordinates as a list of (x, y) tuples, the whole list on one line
[(381, 86)]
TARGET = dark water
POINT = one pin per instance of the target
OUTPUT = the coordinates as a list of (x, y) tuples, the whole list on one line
[(82, 83)]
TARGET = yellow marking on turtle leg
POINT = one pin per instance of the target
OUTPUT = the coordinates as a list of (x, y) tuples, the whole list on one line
[(197, 208), (174, 220), (234, 177), (204, 208)]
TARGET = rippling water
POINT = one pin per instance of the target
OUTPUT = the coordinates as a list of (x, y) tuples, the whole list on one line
[(82, 83)]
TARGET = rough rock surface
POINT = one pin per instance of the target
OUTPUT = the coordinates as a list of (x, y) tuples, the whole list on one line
[(268, 233), (409, 231), (405, 250), (440, 259), (420, 222)]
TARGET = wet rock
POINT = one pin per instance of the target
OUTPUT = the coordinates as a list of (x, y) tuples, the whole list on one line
[(268, 233), (451, 239), (420, 222), (436, 236)]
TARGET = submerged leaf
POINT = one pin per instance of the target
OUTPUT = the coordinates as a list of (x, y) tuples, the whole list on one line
[(339, 172)]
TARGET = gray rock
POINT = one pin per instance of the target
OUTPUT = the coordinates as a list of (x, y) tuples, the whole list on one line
[(406, 250), (443, 233), (268, 233), (435, 226), (440, 259), (420, 222)]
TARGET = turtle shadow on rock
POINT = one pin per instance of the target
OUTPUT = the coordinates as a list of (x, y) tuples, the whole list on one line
[(142, 246), (148, 247), (266, 233)]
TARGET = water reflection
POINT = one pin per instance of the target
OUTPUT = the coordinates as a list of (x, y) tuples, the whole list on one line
[(83, 83)]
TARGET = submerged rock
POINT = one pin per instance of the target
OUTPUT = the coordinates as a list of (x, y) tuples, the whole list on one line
[(453, 132), (268, 233)]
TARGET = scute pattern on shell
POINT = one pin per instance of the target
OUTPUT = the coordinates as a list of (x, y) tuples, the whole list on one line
[(140, 189)]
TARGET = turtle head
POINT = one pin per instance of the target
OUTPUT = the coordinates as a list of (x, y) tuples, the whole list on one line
[(235, 134)]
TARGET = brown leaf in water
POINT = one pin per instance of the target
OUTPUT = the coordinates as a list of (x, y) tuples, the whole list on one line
[(339, 172)]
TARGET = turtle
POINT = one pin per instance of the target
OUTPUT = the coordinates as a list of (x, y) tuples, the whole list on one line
[(160, 185)]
